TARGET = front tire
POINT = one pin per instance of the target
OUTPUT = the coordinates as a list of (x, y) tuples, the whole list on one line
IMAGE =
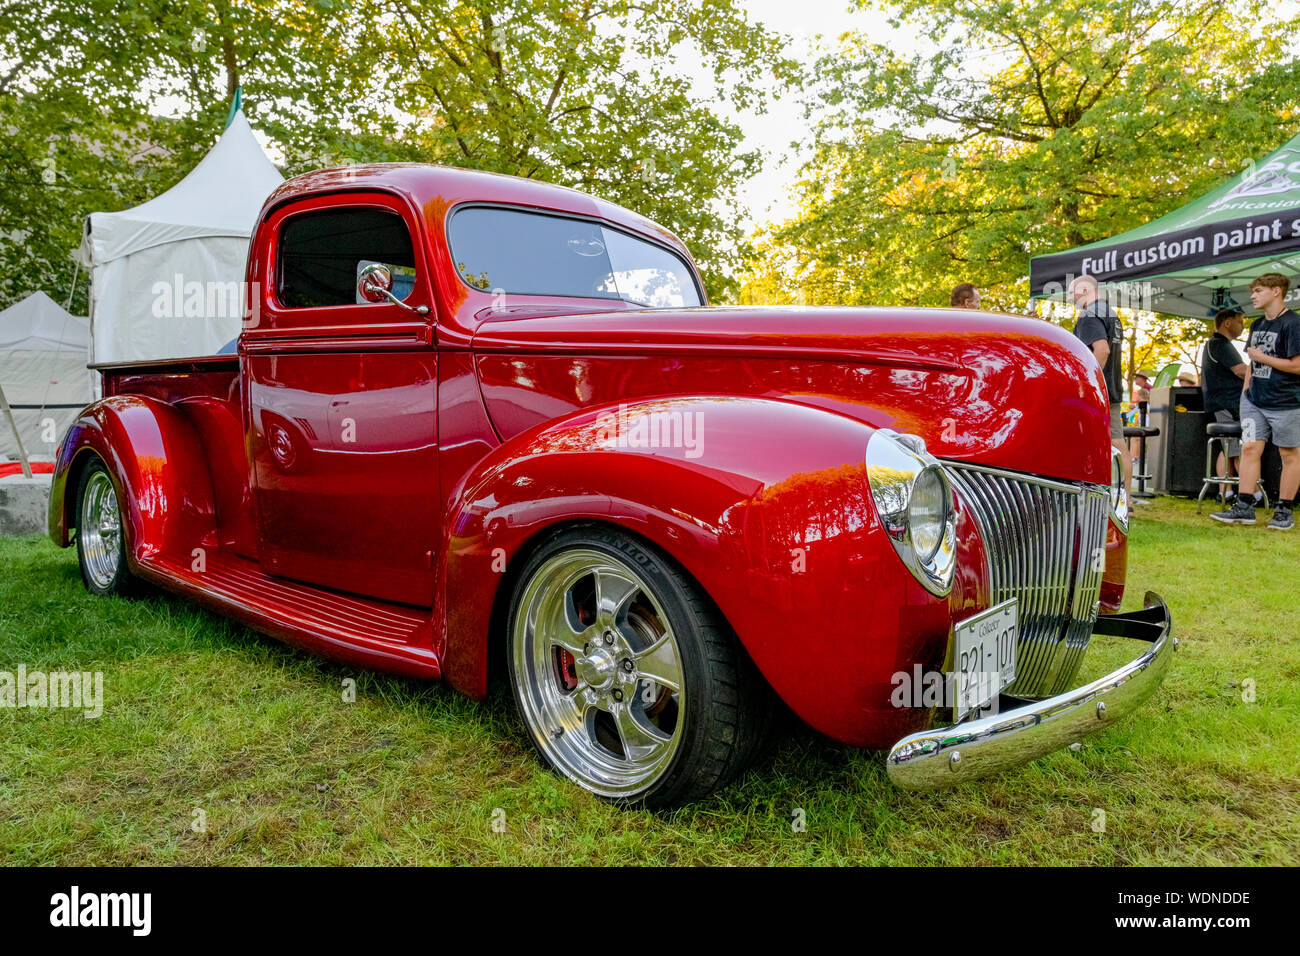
[(101, 537), (627, 677)]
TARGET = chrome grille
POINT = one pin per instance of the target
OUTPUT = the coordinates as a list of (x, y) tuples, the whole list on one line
[(1042, 538)]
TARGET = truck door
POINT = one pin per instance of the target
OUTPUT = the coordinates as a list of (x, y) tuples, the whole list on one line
[(341, 395)]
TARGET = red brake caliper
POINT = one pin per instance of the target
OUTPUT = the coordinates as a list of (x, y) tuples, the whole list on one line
[(568, 669)]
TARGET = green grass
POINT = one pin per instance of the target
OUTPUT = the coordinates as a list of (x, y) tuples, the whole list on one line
[(202, 714)]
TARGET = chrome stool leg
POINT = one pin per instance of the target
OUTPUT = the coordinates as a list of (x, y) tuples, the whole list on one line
[(1211, 478)]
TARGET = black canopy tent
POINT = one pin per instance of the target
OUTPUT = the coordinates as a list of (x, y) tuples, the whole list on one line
[(1197, 258)]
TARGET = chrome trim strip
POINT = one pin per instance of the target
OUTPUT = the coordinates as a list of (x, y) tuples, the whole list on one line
[(1054, 483), (978, 748)]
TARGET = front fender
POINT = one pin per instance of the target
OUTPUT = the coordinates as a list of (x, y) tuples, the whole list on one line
[(158, 467), (769, 510)]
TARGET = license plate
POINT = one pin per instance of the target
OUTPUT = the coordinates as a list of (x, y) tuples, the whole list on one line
[(984, 659)]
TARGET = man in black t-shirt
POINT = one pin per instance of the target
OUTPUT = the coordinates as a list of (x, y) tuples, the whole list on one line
[(1098, 328), (1270, 402), (1222, 372)]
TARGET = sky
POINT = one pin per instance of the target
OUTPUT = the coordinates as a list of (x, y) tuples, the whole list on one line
[(813, 26)]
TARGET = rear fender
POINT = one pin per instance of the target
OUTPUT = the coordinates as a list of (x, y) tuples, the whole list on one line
[(769, 511), (158, 467)]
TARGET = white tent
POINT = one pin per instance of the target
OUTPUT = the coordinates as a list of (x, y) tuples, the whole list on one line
[(43, 372), (161, 274)]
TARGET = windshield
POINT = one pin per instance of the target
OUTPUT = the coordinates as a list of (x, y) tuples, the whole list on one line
[(525, 253)]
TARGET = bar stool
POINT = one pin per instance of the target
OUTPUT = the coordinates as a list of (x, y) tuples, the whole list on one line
[(1220, 433), (1141, 433)]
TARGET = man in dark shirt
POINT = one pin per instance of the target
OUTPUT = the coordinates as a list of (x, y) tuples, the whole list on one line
[(1098, 328), (1222, 372), (1270, 402)]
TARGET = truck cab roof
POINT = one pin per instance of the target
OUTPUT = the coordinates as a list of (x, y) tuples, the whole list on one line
[(437, 189)]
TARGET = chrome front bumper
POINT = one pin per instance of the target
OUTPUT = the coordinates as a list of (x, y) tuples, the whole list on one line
[(978, 748)]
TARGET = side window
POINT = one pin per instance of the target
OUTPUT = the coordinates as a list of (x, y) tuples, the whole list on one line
[(322, 254)]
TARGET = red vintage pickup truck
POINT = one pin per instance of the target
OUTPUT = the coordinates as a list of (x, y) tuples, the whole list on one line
[(481, 427)]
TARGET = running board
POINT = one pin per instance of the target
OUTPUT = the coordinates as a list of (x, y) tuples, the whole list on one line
[(357, 630)]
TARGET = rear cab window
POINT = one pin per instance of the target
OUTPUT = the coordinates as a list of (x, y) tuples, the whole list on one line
[(310, 256), (322, 254)]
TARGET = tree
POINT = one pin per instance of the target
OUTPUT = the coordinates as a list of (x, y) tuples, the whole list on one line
[(583, 94), (587, 94), (80, 86), (1099, 115), (56, 114)]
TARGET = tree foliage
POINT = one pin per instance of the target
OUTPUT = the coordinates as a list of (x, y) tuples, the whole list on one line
[(591, 95), (85, 89), (587, 94), (1027, 127)]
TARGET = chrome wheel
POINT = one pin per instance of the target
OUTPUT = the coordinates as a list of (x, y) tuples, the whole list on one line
[(99, 530), (598, 672)]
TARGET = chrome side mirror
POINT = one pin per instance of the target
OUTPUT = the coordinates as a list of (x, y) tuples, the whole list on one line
[(375, 284)]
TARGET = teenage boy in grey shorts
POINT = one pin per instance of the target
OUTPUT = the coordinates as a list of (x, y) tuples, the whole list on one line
[(1270, 402)]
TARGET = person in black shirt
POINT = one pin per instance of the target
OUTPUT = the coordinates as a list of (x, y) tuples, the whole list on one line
[(1222, 372), (1098, 328), (1270, 403)]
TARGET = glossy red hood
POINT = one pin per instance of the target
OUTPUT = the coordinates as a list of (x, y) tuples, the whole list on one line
[(1006, 391)]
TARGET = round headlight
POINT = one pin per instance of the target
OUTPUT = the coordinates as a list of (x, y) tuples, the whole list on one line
[(914, 500), (927, 512)]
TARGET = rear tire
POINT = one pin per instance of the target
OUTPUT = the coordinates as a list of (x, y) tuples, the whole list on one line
[(101, 533), (628, 679)]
